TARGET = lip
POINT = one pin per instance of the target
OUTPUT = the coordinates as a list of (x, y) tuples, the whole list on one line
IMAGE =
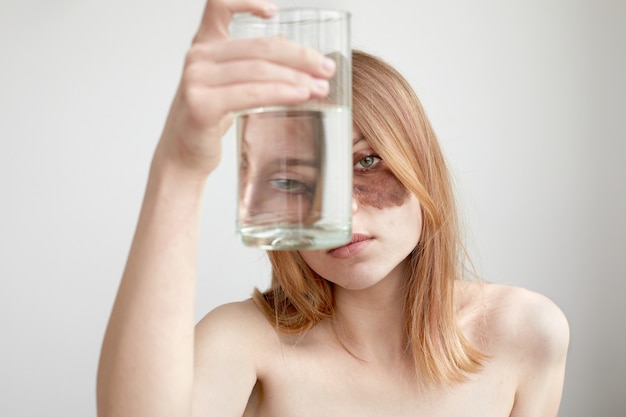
[(357, 244)]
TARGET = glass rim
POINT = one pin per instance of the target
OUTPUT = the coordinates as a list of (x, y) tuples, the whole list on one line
[(288, 15)]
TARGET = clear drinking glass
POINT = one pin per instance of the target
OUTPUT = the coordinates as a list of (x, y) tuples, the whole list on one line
[(295, 162)]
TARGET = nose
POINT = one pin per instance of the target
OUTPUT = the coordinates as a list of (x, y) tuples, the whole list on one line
[(249, 192), (355, 205), (246, 198)]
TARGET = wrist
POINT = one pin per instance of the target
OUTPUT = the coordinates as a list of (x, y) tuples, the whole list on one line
[(174, 181), (171, 164)]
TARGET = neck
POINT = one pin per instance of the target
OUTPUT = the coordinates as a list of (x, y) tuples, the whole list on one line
[(370, 323)]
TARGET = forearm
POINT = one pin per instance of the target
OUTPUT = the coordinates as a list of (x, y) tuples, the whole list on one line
[(146, 366)]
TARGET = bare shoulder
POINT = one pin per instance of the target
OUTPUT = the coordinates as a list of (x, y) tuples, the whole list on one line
[(515, 320), (528, 322), (231, 344), (525, 336), (236, 335), (238, 322)]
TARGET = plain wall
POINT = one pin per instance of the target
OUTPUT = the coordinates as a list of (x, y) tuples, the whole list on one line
[(527, 98)]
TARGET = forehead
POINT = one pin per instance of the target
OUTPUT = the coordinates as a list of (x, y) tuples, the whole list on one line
[(267, 132), (356, 133), (279, 124), (358, 140)]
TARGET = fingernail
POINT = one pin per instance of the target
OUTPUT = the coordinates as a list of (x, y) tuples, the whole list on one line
[(301, 90), (328, 64), (320, 86), (271, 8)]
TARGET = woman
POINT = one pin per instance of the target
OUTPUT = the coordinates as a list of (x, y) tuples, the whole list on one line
[(381, 326)]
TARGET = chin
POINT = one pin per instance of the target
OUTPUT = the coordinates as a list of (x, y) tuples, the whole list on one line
[(356, 281)]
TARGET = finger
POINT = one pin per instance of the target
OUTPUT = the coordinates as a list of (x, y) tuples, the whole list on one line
[(215, 103), (218, 14), (279, 51), (210, 74)]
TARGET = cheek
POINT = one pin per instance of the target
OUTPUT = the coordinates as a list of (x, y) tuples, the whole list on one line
[(380, 189), (316, 261)]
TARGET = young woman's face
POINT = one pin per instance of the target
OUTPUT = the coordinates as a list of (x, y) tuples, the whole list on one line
[(280, 167), (386, 226)]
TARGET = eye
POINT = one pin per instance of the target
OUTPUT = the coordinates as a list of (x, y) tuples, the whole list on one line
[(367, 162), (290, 186)]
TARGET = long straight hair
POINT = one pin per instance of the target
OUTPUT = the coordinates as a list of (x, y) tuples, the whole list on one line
[(392, 120)]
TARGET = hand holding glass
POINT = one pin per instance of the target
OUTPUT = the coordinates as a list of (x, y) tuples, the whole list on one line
[(295, 162)]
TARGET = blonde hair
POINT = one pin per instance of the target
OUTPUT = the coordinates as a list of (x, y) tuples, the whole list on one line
[(391, 118)]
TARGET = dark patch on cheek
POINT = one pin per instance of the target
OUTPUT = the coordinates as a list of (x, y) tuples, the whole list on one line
[(379, 189)]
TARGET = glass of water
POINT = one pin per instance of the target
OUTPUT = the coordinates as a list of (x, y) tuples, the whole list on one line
[(295, 162)]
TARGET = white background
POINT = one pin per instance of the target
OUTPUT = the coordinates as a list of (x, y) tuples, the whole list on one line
[(527, 98)]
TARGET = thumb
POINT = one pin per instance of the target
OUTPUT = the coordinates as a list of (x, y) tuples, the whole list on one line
[(218, 14)]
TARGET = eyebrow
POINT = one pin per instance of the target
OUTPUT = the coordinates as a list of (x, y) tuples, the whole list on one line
[(295, 162), (357, 139)]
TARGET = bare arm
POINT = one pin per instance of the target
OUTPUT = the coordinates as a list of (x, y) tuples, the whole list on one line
[(151, 326), (542, 342), (147, 360)]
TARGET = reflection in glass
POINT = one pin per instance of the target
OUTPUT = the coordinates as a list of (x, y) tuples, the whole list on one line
[(281, 167)]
